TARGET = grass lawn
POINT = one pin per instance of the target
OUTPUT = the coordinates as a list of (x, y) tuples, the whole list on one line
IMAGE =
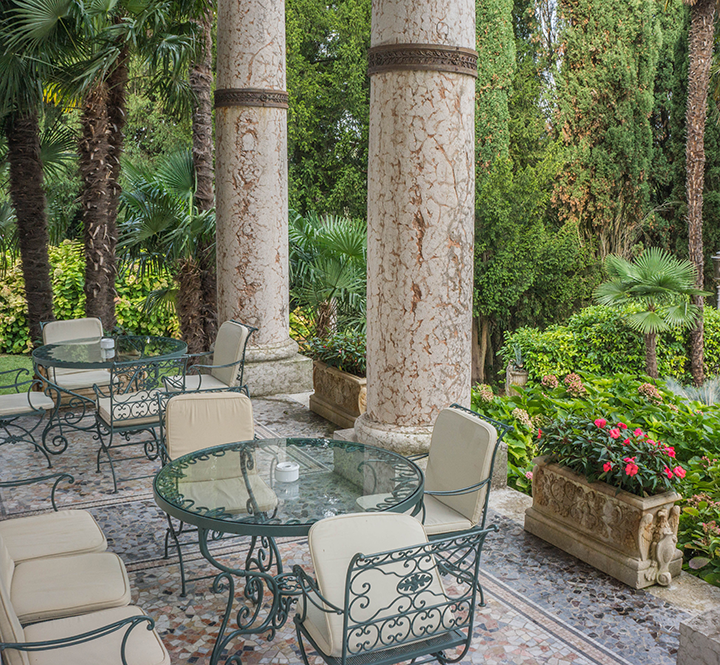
[(13, 362)]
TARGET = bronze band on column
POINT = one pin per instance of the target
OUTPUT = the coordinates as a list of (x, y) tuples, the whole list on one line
[(251, 97), (427, 57)]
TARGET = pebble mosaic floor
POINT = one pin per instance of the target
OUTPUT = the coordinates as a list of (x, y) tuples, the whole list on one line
[(543, 606)]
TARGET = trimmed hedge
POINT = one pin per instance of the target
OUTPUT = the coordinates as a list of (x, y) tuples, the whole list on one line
[(68, 266), (598, 340)]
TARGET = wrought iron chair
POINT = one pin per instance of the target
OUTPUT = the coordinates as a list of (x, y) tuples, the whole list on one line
[(193, 421), (459, 471), (57, 533), (128, 405), (22, 404), (72, 380), (225, 372), (390, 605)]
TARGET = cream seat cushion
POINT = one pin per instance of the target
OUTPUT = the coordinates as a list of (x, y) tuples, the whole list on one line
[(333, 543), (440, 518), (16, 404), (73, 379), (200, 420), (195, 382), (144, 647), (230, 494), (10, 628), (52, 534), (44, 589), (123, 407)]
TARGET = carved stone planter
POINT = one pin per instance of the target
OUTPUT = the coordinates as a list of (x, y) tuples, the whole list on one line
[(339, 397), (514, 377), (631, 538)]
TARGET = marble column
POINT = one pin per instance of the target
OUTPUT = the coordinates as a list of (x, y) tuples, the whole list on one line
[(251, 190), (421, 187)]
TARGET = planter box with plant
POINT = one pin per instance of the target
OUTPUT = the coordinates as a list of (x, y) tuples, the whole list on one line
[(338, 377), (606, 495)]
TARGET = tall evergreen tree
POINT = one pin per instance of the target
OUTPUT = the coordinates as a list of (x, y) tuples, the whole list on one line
[(605, 97)]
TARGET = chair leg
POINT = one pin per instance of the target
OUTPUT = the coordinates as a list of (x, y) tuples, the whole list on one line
[(301, 644), (170, 532), (24, 436), (105, 448)]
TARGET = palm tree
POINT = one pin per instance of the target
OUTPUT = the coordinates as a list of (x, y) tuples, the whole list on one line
[(658, 287), (328, 270), (700, 38), (98, 39), (162, 226), (20, 101)]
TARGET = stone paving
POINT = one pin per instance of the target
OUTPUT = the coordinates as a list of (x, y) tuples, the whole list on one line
[(543, 606)]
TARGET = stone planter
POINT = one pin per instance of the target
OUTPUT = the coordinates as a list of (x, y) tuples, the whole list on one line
[(514, 377), (631, 538), (339, 397)]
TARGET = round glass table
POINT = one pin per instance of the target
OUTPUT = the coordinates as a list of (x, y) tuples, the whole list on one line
[(88, 354), (272, 488)]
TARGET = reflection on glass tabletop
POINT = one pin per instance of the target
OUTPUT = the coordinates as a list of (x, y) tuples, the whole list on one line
[(84, 353), (289, 483)]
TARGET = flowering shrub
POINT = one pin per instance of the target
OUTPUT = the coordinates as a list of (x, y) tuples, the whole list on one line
[(550, 381), (598, 450), (485, 392), (344, 350), (574, 385)]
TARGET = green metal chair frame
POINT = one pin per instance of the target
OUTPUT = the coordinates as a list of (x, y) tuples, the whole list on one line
[(411, 627), (8, 422), (59, 477), (192, 367), (502, 429), (133, 408)]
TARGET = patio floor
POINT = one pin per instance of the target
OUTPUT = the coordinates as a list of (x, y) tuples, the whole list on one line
[(543, 606)]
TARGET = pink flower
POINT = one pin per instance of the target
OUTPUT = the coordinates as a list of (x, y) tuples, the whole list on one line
[(638, 432), (668, 473), (631, 469), (626, 442), (607, 467), (614, 433), (601, 422), (651, 442), (628, 459), (528, 475), (670, 451), (679, 472), (622, 425)]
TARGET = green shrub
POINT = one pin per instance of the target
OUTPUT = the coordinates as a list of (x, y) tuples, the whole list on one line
[(68, 267), (344, 350), (598, 340)]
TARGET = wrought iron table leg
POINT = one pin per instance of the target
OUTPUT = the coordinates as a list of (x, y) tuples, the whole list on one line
[(258, 575)]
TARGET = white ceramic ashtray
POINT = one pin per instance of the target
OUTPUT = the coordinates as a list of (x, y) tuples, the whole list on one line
[(287, 472), (287, 491), (107, 343)]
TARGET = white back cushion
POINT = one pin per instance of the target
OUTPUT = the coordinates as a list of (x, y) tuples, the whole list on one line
[(10, 628), (461, 451), (229, 348), (67, 331)]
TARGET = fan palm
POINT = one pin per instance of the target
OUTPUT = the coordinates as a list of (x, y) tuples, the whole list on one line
[(92, 43), (162, 226), (328, 269), (659, 286)]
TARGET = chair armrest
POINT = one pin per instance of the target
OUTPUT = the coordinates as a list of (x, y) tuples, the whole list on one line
[(193, 367), (37, 479), (419, 456), (15, 382), (462, 490), (129, 623), (310, 592)]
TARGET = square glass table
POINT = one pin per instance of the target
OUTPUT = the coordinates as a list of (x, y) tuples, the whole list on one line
[(247, 488)]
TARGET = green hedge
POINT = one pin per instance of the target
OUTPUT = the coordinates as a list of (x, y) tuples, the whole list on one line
[(68, 268), (598, 340)]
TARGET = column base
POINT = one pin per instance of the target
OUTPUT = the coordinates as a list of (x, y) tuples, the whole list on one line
[(403, 440), (280, 376)]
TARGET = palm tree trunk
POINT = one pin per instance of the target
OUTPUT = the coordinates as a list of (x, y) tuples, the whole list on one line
[(700, 52), (189, 306), (201, 83), (651, 355), (95, 165), (28, 198)]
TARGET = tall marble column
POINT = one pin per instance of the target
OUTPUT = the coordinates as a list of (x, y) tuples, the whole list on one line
[(421, 186), (251, 190)]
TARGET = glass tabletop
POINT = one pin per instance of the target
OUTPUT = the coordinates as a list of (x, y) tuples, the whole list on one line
[(88, 354), (281, 487)]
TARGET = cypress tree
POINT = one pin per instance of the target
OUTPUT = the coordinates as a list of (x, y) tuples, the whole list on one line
[(605, 98)]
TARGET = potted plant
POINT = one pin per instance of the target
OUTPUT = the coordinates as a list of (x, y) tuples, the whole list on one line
[(606, 494), (515, 374), (338, 376)]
